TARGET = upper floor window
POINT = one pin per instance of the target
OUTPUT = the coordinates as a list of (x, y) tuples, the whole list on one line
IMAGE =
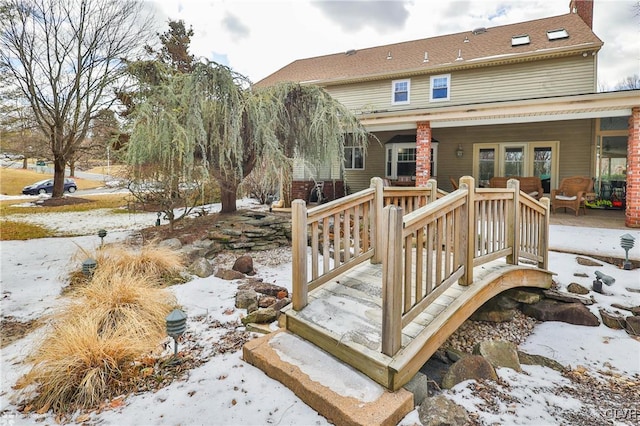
[(353, 158), (400, 91), (440, 87)]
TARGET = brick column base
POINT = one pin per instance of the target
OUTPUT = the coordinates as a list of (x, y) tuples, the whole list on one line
[(632, 212), (423, 153)]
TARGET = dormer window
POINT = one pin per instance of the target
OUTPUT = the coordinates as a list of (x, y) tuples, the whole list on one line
[(400, 92), (520, 40), (557, 34)]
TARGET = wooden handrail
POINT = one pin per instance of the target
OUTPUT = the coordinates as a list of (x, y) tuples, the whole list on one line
[(424, 250), (443, 241)]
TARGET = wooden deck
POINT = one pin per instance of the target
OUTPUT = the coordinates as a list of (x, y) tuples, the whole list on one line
[(344, 317)]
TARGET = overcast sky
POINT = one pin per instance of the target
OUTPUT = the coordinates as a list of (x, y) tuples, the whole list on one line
[(256, 38)]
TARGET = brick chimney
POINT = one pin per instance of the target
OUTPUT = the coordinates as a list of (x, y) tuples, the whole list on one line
[(584, 9)]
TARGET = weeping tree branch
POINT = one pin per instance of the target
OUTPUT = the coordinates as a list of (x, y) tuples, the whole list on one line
[(213, 115)]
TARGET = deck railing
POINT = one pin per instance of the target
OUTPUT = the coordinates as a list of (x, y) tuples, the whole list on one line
[(425, 241), (344, 233), (432, 248)]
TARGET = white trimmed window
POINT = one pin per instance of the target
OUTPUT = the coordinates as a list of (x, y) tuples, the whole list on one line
[(401, 159), (440, 88), (400, 91), (353, 158)]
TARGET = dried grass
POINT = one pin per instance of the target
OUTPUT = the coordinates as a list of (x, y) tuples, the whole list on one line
[(112, 319), (152, 260), (77, 366)]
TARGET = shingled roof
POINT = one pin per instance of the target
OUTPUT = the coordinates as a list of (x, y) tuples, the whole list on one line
[(480, 47)]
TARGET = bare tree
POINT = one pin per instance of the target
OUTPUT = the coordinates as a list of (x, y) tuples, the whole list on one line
[(631, 82), (66, 58)]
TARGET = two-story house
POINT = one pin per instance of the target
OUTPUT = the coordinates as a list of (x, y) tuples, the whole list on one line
[(513, 100)]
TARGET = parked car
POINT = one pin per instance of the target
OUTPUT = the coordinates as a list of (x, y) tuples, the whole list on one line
[(46, 187)]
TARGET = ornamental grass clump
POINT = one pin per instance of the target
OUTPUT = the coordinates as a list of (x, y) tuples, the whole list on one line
[(154, 261), (114, 319), (77, 366)]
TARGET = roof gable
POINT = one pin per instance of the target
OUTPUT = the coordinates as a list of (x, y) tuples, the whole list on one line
[(429, 55)]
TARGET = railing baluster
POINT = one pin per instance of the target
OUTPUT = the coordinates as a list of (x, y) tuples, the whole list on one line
[(326, 245), (347, 234), (419, 262), (336, 240), (315, 256), (357, 230), (407, 275)]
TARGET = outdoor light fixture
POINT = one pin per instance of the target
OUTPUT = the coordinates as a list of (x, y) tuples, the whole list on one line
[(102, 233), (459, 151), (600, 279), (88, 266), (626, 242), (176, 326), (158, 219)]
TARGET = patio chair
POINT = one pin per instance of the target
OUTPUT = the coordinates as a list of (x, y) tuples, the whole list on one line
[(571, 193)]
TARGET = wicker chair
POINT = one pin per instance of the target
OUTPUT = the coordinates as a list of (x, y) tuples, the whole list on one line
[(571, 193)]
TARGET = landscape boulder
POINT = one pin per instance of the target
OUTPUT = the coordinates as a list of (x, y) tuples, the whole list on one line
[(472, 367), (201, 267), (577, 289), (261, 316), (264, 288), (533, 359), (247, 299), (613, 320), (522, 295), (553, 310), (244, 264), (499, 353), (229, 274), (172, 243), (633, 325), (441, 411)]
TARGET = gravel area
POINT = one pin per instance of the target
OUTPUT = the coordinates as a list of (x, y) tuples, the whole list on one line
[(472, 332)]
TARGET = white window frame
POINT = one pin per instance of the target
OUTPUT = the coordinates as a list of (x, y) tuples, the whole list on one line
[(528, 150), (353, 150), (394, 147), (432, 87), (394, 85)]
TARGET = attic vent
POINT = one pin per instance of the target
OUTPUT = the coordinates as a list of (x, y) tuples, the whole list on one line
[(426, 57), (480, 30), (520, 40), (557, 34), (350, 52)]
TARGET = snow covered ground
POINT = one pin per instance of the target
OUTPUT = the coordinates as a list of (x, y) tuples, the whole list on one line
[(228, 391)]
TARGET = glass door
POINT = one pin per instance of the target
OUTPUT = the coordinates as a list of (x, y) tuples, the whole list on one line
[(517, 159)]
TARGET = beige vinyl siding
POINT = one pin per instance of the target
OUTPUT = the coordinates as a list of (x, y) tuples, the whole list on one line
[(576, 145), (568, 76), (357, 180)]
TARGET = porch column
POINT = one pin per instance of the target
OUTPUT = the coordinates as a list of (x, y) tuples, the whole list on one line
[(632, 212), (423, 153)]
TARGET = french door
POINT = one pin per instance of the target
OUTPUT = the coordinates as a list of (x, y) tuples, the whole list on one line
[(516, 159)]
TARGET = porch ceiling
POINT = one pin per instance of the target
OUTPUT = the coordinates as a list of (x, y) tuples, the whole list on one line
[(598, 105)]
